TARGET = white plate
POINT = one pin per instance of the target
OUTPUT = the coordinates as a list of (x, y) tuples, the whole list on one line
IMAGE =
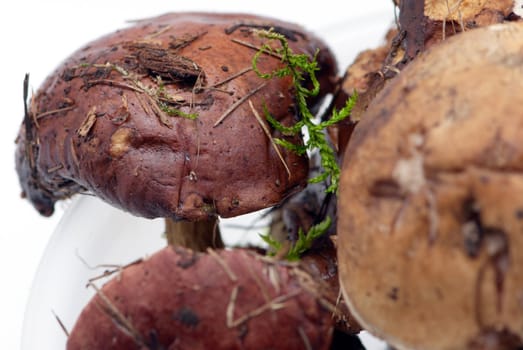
[(92, 233)]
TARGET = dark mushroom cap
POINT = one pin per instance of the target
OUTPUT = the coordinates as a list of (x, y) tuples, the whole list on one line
[(109, 120)]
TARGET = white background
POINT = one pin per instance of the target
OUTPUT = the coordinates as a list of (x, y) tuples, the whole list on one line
[(37, 35)]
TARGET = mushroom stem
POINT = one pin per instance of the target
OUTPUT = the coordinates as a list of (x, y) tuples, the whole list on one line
[(197, 235)]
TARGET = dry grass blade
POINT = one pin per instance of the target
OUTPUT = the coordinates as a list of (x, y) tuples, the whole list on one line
[(305, 339), (54, 111), (254, 47), (114, 267), (159, 113), (55, 168), (268, 133), (274, 304), (62, 326), (223, 264), (158, 32), (339, 300), (259, 283), (143, 104), (274, 277), (111, 82), (118, 317), (232, 77), (238, 103), (229, 313), (272, 261), (314, 288)]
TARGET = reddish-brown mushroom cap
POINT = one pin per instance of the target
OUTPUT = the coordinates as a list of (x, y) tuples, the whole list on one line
[(108, 120), (178, 299)]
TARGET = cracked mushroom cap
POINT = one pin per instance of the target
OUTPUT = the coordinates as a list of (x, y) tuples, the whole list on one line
[(157, 119), (430, 245)]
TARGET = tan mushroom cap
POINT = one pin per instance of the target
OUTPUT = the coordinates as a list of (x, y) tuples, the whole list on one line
[(462, 10), (107, 120), (430, 244)]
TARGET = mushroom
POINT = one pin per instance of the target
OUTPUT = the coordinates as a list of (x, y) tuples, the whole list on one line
[(430, 249), (420, 25), (227, 299), (296, 216), (360, 78), (424, 23), (159, 119)]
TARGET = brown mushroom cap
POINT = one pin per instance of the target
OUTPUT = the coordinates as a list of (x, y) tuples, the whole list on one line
[(430, 246), (179, 299), (107, 120)]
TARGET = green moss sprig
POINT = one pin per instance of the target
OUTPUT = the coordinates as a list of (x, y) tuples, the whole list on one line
[(302, 244), (301, 67), (165, 102)]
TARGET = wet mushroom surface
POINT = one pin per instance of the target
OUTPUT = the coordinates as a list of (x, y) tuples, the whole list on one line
[(431, 199)]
